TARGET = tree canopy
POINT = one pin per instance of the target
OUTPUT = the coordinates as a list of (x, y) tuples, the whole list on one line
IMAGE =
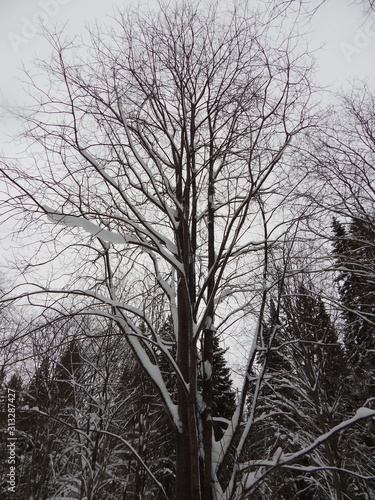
[(169, 173)]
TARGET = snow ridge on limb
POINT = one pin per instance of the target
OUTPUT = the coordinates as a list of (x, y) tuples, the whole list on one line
[(135, 336), (90, 227), (152, 370), (283, 460), (108, 236)]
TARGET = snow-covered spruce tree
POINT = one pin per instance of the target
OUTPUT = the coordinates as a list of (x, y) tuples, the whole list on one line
[(354, 253), (318, 375), (49, 402), (67, 374), (162, 170), (223, 394), (304, 396), (354, 250), (34, 472), (344, 162), (72, 422)]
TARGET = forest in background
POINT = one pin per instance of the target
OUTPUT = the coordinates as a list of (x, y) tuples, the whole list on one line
[(195, 318)]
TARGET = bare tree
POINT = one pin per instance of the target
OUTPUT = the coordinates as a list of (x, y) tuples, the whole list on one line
[(342, 161), (163, 154), (345, 152)]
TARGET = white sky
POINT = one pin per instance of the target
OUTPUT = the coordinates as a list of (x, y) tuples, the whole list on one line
[(347, 36), (349, 42), (337, 23)]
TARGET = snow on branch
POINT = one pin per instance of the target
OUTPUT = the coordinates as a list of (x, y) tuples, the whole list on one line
[(90, 227), (158, 240), (284, 459), (301, 468)]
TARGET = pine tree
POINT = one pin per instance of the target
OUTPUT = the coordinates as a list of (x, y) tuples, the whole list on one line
[(303, 392), (224, 397), (50, 398), (39, 392), (354, 250), (66, 375), (35, 474)]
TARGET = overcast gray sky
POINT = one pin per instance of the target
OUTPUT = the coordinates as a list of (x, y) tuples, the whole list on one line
[(348, 52), (20, 44), (349, 39)]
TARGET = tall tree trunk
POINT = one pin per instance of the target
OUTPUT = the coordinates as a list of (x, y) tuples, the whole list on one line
[(187, 448), (207, 388)]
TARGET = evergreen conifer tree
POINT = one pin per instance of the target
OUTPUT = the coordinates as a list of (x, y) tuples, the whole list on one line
[(224, 397), (35, 474), (354, 249), (66, 374), (303, 394)]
